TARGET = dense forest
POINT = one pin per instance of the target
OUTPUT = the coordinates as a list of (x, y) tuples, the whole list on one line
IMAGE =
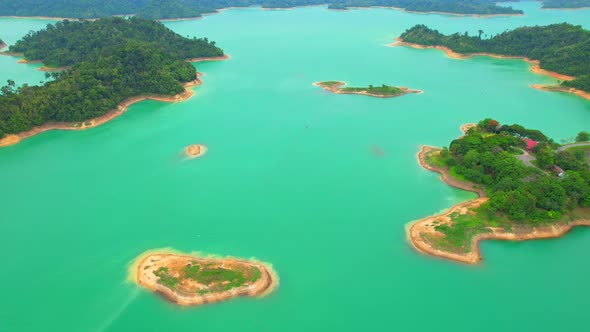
[(111, 60), (68, 42), (487, 156), (165, 9), (563, 48), (566, 3)]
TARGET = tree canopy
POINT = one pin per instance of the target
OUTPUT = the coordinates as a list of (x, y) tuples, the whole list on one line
[(486, 155), (111, 59), (563, 48)]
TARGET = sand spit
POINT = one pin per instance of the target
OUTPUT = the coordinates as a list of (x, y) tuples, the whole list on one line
[(335, 88), (419, 231), (559, 88), (187, 292), (215, 58), (195, 150), (535, 64), (91, 123)]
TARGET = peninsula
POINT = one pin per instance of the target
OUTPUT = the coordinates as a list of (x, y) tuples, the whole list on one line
[(528, 187), (111, 63), (558, 50), (192, 280), (383, 91)]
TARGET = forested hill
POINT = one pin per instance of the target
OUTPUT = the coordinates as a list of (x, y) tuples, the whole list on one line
[(111, 60), (69, 42), (566, 3), (163, 9), (563, 48)]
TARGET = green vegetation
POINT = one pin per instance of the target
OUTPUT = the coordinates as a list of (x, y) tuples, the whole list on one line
[(111, 60), (519, 196), (583, 136), (566, 3), (165, 278), (330, 84), (163, 9), (383, 90), (216, 279), (70, 42), (563, 48)]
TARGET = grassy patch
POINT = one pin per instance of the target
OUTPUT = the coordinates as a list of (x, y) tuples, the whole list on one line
[(384, 90), (330, 83), (165, 278), (457, 237)]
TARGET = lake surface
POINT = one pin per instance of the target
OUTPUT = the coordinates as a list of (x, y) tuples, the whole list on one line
[(291, 177)]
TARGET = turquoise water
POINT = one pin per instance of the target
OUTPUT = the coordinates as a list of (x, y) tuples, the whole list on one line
[(290, 178)]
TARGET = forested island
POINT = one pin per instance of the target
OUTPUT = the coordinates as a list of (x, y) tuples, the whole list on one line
[(383, 91), (528, 186), (175, 9), (193, 280), (561, 48), (113, 62)]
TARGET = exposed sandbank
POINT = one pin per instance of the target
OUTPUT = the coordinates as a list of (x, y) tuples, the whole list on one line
[(215, 58), (335, 88), (2, 45), (559, 88), (90, 123), (186, 293), (195, 150), (535, 64), (419, 230)]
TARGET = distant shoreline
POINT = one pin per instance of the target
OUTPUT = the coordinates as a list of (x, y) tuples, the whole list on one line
[(534, 68), (535, 64), (418, 229), (12, 139), (559, 88), (219, 10), (214, 58)]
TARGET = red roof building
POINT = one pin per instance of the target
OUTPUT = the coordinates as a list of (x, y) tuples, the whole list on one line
[(530, 143)]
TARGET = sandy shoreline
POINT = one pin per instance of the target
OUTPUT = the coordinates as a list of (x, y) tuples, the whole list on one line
[(91, 123), (214, 58), (535, 64), (3, 45), (143, 267), (424, 228), (336, 89), (48, 18), (559, 88)]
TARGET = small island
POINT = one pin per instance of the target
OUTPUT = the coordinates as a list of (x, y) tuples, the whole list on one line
[(192, 280), (528, 187), (195, 150), (556, 50), (383, 91)]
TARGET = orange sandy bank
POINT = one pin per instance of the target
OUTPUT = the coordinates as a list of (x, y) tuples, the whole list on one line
[(215, 58), (195, 150), (121, 108), (189, 290), (559, 88), (420, 231), (335, 88), (535, 64)]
